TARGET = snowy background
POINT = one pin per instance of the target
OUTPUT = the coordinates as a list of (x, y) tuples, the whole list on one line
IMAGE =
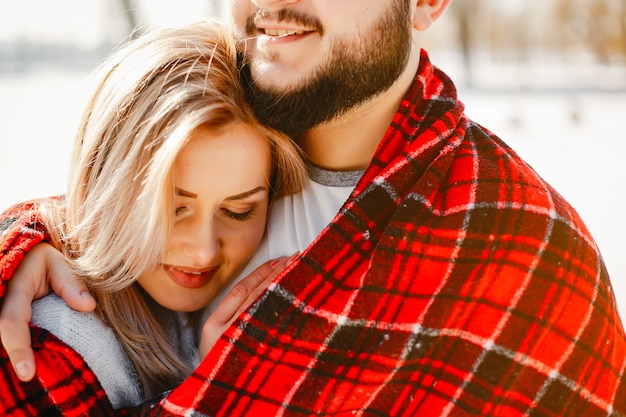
[(565, 117)]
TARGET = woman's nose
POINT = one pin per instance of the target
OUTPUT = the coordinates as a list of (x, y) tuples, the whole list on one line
[(203, 246), (272, 4)]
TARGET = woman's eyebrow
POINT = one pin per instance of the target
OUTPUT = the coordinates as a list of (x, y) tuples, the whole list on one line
[(246, 194), (185, 193)]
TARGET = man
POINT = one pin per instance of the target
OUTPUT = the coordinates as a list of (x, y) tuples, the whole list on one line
[(451, 280)]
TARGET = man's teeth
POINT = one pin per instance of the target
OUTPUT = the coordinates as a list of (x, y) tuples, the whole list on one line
[(283, 32)]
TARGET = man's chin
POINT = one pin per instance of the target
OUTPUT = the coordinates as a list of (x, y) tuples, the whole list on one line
[(271, 78)]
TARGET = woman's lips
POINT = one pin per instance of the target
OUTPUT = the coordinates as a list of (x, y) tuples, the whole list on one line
[(189, 278)]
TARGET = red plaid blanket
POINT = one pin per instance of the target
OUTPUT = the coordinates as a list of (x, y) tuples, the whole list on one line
[(64, 385), (453, 282)]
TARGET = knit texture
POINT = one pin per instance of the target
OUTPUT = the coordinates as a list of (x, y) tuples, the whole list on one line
[(98, 346), (453, 282)]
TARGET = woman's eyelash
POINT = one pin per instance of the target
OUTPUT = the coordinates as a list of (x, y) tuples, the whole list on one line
[(239, 216), (179, 211)]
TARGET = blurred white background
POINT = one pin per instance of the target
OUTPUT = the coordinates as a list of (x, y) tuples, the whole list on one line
[(539, 75)]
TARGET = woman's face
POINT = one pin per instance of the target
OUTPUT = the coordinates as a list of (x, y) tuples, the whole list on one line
[(221, 201)]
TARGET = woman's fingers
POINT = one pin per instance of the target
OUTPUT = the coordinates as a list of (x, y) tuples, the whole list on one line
[(243, 294)]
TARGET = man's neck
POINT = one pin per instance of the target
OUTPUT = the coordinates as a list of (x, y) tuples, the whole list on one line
[(349, 142)]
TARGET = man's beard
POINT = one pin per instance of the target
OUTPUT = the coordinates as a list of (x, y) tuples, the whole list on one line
[(356, 71)]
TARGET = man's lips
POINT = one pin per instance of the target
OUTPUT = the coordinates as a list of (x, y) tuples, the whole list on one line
[(189, 277), (280, 33), (275, 36), (282, 23)]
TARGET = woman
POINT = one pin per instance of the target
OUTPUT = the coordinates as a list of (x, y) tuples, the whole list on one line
[(168, 197)]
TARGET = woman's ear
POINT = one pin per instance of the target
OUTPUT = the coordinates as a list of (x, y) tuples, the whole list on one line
[(427, 12)]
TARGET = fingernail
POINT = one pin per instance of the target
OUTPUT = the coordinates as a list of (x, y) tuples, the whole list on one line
[(274, 263), (22, 369), (293, 258)]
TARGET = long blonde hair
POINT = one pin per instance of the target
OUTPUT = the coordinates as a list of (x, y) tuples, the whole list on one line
[(116, 219)]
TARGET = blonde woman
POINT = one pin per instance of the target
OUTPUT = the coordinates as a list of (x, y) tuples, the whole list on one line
[(168, 197)]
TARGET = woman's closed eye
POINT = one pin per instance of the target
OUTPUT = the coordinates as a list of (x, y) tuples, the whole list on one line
[(238, 215)]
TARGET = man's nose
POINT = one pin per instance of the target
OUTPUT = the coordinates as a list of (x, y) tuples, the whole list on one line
[(272, 4)]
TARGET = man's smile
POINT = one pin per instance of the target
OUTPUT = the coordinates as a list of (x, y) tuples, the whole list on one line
[(283, 32)]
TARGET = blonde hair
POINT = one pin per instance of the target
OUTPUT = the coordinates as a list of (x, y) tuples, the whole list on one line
[(116, 219)]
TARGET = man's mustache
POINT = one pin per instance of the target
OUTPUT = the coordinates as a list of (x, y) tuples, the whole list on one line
[(283, 15)]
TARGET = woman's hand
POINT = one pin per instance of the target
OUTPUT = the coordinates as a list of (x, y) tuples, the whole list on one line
[(243, 294), (42, 269)]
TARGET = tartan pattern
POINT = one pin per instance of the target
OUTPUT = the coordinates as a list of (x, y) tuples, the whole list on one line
[(64, 385), (19, 232), (453, 282)]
